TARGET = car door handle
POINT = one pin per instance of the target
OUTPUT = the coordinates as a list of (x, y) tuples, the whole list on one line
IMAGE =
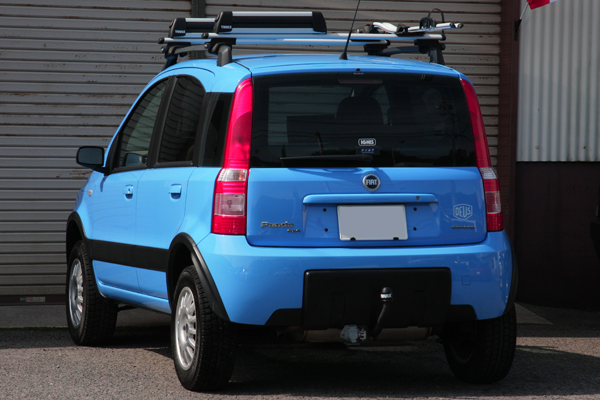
[(128, 191), (175, 191)]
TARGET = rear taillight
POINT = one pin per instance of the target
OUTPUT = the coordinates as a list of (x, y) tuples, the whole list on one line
[(231, 187), (491, 186)]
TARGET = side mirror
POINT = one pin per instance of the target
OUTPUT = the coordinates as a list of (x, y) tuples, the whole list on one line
[(91, 157)]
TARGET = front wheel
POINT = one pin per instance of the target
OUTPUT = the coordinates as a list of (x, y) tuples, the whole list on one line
[(203, 344), (91, 318), (481, 351)]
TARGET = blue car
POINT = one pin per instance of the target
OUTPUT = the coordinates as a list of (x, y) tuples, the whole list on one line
[(342, 198)]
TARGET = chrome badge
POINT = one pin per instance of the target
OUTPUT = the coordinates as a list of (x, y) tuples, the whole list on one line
[(371, 182), (463, 211)]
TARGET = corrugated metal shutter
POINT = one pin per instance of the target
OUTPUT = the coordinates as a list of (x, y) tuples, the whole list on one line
[(69, 70), (474, 50), (559, 82)]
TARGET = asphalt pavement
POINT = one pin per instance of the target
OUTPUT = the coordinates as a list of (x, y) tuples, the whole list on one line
[(557, 357), (54, 316)]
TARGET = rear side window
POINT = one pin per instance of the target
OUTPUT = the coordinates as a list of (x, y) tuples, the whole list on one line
[(377, 120), (218, 107), (181, 123)]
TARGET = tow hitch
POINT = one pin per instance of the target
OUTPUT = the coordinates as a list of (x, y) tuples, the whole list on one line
[(363, 334), (386, 299)]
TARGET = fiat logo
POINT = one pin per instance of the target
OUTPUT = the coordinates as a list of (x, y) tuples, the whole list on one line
[(371, 182)]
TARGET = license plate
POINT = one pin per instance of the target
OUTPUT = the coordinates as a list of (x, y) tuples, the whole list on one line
[(385, 222)]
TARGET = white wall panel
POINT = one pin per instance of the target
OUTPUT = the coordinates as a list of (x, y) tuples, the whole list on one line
[(559, 82)]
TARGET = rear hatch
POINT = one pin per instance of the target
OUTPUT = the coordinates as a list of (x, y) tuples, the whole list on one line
[(362, 159)]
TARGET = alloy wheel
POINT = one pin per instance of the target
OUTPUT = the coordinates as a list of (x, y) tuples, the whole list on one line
[(186, 328)]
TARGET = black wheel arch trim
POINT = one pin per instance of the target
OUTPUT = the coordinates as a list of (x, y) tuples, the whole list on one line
[(208, 284), (514, 283), (76, 219)]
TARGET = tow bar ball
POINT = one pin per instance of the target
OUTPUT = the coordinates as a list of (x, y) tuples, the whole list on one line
[(386, 294), (355, 334)]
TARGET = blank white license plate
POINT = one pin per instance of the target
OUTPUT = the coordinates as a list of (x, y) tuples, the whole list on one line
[(372, 222)]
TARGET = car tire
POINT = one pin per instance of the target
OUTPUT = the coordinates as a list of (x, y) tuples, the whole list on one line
[(481, 351), (91, 318), (204, 345)]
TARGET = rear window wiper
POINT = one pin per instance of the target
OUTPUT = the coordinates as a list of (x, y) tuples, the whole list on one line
[(332, 157)]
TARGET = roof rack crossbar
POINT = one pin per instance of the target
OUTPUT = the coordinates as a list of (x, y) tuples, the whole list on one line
[(298, 28)]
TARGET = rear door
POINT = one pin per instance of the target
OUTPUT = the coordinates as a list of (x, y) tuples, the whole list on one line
[(346, 160), (162, 192)]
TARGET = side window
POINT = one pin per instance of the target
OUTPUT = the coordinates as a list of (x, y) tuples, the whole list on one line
[(137, 132), (218, 115), (181, 124)]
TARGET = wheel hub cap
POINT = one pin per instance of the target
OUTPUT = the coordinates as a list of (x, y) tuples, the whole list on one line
[(76, 293), (185, 328)]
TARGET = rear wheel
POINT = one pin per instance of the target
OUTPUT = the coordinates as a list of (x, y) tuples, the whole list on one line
[(203, 344), (481, 351), (91, 318)]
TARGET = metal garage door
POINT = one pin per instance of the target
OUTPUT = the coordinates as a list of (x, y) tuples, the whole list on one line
[(69, 70)]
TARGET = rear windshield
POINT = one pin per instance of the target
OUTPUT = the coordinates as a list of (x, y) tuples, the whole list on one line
[(358, 120)]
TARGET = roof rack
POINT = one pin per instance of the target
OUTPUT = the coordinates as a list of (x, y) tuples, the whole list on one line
[(218, 35)]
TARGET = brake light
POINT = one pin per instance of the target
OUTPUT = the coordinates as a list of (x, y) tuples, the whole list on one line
[(231, 187), (491, 185)]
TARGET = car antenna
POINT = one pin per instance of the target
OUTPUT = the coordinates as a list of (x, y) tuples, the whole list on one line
[(344, 55)]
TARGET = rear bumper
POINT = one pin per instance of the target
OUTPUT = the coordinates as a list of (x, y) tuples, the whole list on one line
[(256, 282)]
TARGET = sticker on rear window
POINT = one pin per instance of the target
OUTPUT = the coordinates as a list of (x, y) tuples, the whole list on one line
[(367, 142), (367, 150)]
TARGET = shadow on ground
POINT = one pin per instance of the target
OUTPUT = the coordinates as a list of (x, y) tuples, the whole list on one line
[(557, 360)]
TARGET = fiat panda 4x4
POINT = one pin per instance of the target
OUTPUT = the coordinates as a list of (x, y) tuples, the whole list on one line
[(346, 198)]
